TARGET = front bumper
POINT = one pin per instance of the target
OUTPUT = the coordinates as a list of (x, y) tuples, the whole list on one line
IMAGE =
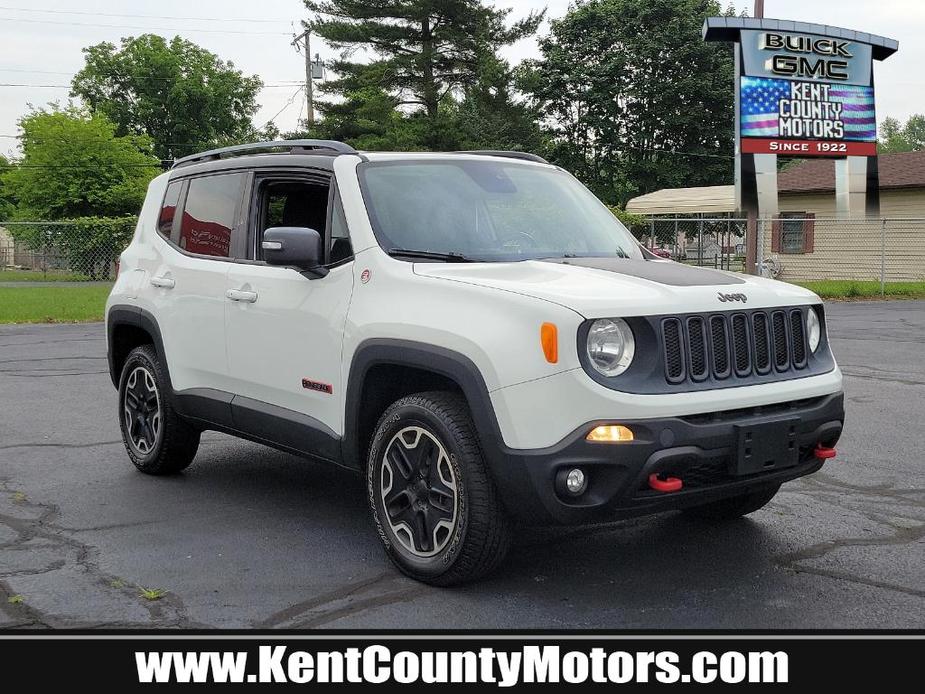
[(700, 449)]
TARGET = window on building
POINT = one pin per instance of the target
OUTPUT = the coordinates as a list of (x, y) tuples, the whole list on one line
[(210, 215), (792, 233)]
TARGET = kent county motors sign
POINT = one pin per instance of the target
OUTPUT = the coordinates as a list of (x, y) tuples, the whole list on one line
[(806, 95)]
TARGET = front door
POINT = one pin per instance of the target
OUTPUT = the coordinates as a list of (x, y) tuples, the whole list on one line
[(285, 331)]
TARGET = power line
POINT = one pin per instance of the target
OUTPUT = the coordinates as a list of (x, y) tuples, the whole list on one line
[(91, 167), (143, 28), (68, 86), (106, 166), (114, 76), (82, 140), (148, 16), (288, 103), (43, 72)]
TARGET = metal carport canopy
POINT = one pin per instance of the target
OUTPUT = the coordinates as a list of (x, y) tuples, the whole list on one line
[(681, 201)]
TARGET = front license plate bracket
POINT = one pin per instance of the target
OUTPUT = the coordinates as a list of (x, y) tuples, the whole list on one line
[(766, 446)]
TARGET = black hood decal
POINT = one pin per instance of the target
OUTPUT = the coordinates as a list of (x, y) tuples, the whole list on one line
[(663, 272)]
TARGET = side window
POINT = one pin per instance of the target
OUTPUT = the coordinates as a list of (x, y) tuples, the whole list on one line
[(340, 236), (290, 203), (169, 209), (210, 214)]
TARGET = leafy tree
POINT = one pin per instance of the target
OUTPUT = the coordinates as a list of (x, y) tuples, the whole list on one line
[(635, 99), (74, 165), (186, 98), (422, 50), (6, 205), (368, 119), (896, 137), (490, 117)]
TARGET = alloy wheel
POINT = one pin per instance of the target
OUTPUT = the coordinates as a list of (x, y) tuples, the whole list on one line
[(142, 410), (419, 491)]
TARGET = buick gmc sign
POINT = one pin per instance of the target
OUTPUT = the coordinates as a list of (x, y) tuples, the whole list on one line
[(806, 95)]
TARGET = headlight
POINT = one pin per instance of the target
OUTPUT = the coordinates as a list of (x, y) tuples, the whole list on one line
[(813, 329), (611, 346)]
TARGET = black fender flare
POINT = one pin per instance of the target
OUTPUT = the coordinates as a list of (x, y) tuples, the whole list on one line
[(439, 360), (125, 314)]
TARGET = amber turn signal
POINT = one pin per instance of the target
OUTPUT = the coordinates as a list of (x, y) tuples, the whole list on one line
[(549, 339), (610, 433)]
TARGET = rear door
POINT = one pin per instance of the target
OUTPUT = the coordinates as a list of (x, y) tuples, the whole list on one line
[(285, 337), (188, 279)]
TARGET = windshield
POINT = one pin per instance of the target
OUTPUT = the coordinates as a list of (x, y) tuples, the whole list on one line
[(489, 210)]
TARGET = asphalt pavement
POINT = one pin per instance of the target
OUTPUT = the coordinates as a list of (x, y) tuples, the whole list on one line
[(250, 537)]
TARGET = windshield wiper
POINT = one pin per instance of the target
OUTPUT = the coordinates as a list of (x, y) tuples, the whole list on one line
[(430, 255)]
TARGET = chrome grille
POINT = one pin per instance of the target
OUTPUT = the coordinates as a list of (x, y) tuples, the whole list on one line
[(733, 345)]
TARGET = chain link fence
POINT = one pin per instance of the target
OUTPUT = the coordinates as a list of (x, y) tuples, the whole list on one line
[(717, 243), (82, 250), (799, 247), (793, 247)]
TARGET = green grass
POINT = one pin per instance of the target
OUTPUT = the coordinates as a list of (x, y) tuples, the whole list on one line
[(9, 275), (151, 593), (53, 304), (858, 289)]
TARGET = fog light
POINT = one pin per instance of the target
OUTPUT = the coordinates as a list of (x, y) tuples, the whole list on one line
[(610, 433), (575, 481)]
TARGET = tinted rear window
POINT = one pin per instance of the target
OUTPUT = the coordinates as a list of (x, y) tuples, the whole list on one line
[(210, 213)]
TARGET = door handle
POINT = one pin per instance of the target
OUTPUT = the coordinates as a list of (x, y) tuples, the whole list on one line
[(163, 282), (241, 295)]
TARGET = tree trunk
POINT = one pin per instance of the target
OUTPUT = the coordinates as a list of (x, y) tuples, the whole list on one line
[(429, 87)]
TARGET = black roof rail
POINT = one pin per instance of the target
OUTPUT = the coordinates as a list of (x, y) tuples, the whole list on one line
[(291, 146), (525, 156)]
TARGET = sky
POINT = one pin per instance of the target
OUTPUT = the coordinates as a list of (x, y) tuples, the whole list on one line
[(41, 42)]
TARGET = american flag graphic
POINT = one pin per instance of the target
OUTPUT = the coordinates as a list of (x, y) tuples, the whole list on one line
[(760, 98)]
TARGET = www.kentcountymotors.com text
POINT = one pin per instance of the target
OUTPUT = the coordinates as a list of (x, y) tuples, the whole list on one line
[(531, 664)]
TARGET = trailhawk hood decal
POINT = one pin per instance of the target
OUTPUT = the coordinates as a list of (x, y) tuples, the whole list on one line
[(675, 274), (598, 287)]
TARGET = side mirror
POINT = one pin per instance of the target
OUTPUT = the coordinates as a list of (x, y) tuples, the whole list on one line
[(298, 247)]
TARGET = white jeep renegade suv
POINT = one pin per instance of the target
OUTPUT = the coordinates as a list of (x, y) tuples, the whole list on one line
[(475, 332)]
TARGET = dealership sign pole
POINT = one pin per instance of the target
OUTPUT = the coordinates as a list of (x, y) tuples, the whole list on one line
[(803, 90)]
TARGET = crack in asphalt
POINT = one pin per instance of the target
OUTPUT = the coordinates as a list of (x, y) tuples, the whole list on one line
[(167, 612), (822, 484), (37, 359), (381, 590), (871, 377), (19, 373), (49, 342), (51, 444)]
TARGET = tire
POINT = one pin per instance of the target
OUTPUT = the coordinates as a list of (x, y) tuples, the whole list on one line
[(432, 500), (734, 506), (157, 440)]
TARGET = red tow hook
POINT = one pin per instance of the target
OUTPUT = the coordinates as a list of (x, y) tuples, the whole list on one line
[(670, 484), (824, 452)]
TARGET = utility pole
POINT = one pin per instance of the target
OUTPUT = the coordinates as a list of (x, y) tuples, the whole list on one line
[(753, 250), (308, 75)]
